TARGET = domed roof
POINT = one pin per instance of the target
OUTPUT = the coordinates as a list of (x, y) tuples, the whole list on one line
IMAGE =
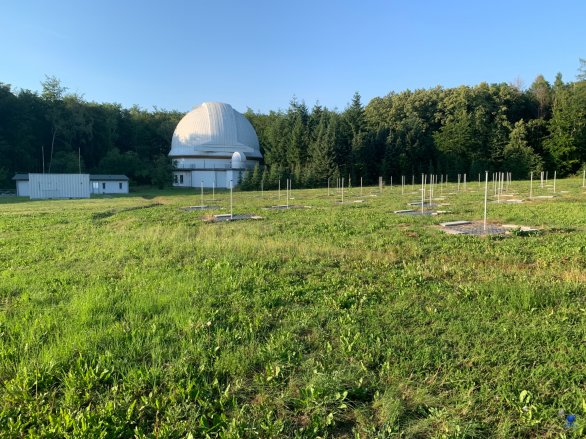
[(214, 129), (238, 160)]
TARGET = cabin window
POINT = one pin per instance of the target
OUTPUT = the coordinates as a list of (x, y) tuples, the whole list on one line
[(181, 179), (175, 179), (119, 185), (95, 185), (103, 185)]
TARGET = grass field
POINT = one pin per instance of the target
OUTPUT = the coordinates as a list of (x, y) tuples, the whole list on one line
[(124, 317)]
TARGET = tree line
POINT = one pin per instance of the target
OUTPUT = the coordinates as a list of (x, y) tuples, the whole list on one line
[(488, 127), (60, 132), (450, 131)]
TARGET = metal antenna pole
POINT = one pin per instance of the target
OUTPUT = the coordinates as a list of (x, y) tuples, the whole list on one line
[(485, 197), (422, 191), (430, 189), (555, 173)]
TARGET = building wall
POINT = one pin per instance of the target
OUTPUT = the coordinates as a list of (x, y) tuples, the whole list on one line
[(182, 178), (201, 163), (22, 189), (207, 163), (45, 186), (109, 187), (215, 172), (234, 176), (205, 178), (209, 178)]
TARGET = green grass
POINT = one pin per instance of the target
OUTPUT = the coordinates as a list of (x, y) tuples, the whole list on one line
[(129, 317)]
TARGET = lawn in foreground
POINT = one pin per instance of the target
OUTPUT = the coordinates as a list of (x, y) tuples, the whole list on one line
[(123, 317)]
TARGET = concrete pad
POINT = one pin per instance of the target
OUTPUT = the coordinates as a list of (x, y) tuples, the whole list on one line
[(521, 228), (285, 207), (417, 212), (189, 208), (424, 204), (228, 217), (455, 223)]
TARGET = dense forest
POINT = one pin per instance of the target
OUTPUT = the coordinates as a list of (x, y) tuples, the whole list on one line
[(439, 130), (456, 130), (59, 132)]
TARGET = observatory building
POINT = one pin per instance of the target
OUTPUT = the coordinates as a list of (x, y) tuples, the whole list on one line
[(213, 145)]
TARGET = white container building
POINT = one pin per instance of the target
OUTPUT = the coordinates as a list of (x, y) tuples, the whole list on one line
[(21, 185), (48, 186), (44, 186), (109, 184)]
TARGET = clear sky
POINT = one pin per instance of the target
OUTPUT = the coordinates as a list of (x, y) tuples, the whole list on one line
[(260, 53)]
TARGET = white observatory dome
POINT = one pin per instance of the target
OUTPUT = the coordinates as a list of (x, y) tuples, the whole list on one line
[(238, 160), (214, 129)]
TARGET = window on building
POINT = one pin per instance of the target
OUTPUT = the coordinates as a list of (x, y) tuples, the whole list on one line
[(95, 185), (103, 185), (181, 179), (119, 185), (175, 179)]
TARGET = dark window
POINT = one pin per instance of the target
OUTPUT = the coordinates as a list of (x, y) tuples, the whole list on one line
[(119, 185), (181, 179), (103, 185)]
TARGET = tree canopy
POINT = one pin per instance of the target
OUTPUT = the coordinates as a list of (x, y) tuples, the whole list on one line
[(56, 131)]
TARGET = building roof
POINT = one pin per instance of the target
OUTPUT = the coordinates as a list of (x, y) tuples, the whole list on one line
[(93, 177), (108, 177), (214, 128)]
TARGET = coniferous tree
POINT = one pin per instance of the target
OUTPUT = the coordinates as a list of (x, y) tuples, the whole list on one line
[(519, 158), (567, 127)]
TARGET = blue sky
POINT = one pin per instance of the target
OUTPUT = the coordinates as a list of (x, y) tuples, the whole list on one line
[(259, 54)]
